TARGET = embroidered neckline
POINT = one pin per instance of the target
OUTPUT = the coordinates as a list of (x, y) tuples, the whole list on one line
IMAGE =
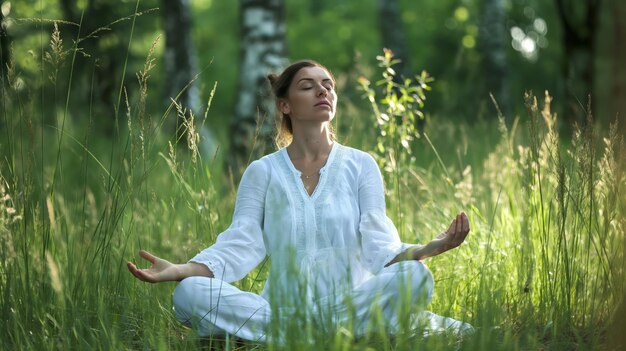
[(295, 180)]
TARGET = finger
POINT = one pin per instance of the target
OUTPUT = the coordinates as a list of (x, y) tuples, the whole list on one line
[(465, 231), (465, 224), (147, 256), (143, 276), (458, 224), (454, 234), (450, 226), (133, 269)]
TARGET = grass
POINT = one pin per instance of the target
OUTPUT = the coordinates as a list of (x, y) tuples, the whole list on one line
[(543, 267)]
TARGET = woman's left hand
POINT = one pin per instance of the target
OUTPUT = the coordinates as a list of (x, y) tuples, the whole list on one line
[(451, 238)]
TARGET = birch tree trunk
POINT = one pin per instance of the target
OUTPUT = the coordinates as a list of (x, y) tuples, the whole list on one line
[(4, 61), (181, 67), (5, 41), (263, 50), (492, 43)]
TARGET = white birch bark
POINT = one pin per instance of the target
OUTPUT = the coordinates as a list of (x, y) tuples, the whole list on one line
[(181, 67), (263, 50)]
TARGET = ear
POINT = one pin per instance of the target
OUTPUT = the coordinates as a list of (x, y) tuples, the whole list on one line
[(283, 106)]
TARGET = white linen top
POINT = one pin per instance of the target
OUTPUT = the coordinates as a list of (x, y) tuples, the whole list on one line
[(335, 238)]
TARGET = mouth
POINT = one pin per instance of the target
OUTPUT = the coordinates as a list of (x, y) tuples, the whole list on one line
[(323, 103)]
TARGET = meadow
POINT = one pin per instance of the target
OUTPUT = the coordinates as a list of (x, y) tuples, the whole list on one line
[(543, 267)]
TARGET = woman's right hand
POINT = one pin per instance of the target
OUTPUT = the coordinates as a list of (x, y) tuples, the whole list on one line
[(160, 271)]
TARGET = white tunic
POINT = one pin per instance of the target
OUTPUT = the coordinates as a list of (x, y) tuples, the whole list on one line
[(336, 238), (328, 248)]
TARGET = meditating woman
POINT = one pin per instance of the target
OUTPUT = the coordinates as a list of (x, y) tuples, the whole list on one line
[(317, 209)]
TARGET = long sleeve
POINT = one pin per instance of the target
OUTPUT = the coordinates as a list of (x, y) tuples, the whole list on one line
[(240, 248), (380, 241)]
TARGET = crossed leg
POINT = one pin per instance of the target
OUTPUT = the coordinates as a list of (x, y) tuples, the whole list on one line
[(214, 307)]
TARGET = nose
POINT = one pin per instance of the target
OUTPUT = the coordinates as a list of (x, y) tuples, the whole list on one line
[(322, 91)]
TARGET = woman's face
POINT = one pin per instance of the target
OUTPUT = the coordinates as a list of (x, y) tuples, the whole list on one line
[(311, 96)]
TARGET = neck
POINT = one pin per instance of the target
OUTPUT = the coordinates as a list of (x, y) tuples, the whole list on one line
[(310, 143)]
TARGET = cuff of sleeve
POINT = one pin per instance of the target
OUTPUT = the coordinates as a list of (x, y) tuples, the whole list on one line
[(213, 267)]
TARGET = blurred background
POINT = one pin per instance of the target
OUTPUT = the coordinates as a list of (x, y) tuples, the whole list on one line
[(572, 48), (124, 125)]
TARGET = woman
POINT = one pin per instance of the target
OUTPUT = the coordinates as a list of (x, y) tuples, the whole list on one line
[(317, 209)]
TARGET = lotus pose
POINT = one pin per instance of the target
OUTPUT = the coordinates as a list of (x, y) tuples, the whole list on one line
[(317, 209)]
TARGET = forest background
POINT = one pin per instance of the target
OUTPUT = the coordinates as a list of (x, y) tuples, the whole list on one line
[(126, 125)]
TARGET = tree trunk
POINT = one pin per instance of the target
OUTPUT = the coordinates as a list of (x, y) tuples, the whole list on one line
[(392, 34), (5, 58), (181, 66), (108, 68), (618, 99), (493, 45), (579, 32), (5, 41), (263, 50)]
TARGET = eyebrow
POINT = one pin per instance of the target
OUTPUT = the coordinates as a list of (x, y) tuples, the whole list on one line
[(311, 79)]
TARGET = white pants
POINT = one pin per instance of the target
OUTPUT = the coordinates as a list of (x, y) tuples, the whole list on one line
[(212, 306)]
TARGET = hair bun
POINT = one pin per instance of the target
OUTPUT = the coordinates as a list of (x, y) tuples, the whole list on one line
[(272, 77)]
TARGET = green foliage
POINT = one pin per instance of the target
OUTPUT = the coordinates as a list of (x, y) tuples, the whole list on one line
[(402, 104), (398, 113), (543, 267), (339, 34), (574, 221)]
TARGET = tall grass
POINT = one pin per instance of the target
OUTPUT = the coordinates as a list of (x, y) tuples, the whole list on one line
[(543, 266)]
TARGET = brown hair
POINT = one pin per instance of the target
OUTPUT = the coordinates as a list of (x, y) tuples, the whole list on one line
[(280, 87)]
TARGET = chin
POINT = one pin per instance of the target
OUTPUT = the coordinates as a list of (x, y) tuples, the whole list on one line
[(329, 115)]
